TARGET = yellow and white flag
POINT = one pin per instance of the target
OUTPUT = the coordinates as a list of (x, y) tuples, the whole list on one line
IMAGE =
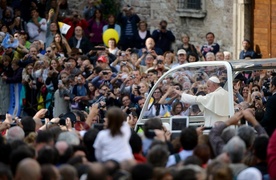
[(63, 27)]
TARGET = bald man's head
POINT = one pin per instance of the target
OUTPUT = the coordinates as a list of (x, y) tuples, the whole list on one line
[(150, 43), (28, 169)]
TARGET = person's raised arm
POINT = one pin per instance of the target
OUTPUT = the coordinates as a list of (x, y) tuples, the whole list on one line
[(263, 76), (249, 116), (93, 111), (215, 139)]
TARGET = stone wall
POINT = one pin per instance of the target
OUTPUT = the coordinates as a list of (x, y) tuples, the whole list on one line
[(218, 19)]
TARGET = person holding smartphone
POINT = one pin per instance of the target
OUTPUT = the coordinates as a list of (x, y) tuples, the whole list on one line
[(113, 142)]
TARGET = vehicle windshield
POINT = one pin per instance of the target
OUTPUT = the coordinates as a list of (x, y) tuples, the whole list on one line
[(164, 102)]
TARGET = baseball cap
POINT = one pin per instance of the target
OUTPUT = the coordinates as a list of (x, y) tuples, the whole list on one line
[(181, 51), (102, 59)]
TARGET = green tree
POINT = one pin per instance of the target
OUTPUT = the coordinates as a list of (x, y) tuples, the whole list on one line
[(111, 7)]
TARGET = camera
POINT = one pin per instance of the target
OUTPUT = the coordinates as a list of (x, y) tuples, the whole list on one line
[(257, 98), (132, 50), (67, 64), (159, 62), (199, 76), (63, 117)]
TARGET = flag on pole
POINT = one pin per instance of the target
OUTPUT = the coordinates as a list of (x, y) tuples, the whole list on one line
[(63, 27)]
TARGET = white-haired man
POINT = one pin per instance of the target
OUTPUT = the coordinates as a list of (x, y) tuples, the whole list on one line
[(215, 104)]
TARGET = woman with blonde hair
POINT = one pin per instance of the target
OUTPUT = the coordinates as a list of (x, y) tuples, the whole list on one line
[(227, 55), (168, 59)]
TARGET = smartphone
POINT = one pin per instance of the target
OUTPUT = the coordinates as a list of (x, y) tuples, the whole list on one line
[(59, 81)]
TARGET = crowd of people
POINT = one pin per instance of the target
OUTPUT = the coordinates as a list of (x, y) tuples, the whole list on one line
[(70, 102)]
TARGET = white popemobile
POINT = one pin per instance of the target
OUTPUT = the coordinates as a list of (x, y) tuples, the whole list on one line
[(201, 73)]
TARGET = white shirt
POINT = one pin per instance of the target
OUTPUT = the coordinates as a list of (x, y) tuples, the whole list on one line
[(34, 33), (215, 105), (116, 148)]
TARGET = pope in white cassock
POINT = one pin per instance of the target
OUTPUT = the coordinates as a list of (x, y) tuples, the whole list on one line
[(215, 104)]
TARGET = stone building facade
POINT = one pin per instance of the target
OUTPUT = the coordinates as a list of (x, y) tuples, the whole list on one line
[(226, 19)]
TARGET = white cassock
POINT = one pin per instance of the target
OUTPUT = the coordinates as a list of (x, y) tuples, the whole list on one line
[(215, 105)]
